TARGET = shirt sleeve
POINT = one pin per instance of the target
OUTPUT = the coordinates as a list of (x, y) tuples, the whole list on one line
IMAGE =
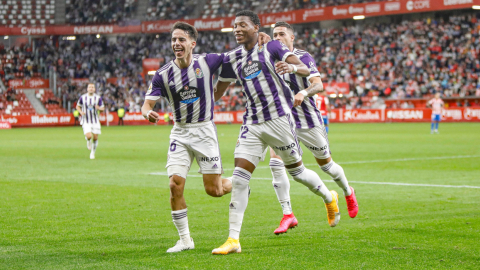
[(214, 61), (100, 102), (279, 51), (308, 60), (80, 101), (156, 88), (227, 74)]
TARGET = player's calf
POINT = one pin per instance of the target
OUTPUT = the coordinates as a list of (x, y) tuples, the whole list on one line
[(215, 186)]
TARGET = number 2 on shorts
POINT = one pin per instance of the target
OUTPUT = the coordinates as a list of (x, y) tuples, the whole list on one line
[(245, 130)]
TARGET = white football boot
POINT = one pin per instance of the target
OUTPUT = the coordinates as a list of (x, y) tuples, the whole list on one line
[(182, 244)]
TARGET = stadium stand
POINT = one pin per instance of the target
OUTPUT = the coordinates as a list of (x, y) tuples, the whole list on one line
[(15, 102), (103, 11), (381, 62), (171, 10), (50, 101), (33, 12), (273, 6)]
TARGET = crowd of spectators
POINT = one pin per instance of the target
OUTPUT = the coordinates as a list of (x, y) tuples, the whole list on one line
[(407, 60), (98, 11), (171, 10), (412, 59)]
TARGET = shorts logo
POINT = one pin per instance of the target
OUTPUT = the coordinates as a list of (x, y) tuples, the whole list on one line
[(198, 73), (210, 159), (292, 153), (287, 147), (215, 166), (314, 148), (251, 70), (188, 94), (238, 143)]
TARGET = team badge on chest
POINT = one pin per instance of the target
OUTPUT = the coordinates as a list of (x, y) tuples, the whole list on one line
[(198, 73)]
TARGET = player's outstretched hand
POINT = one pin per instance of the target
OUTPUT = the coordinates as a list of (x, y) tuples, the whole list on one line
[(153, 117), (263, 38), (299, 97), (282, 67)]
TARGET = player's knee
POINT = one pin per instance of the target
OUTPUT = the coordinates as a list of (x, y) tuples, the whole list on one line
[(176, 185), (88, 135), (322, 162), (214, 191)]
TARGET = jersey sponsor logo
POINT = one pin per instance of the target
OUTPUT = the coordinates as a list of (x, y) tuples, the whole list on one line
[(251, 70), (313, 68), (198, 73), (286, 147), (209, 159), (90, 107), (188, 94)]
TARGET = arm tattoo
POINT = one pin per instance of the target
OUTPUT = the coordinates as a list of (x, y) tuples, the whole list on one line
[(313, 89)]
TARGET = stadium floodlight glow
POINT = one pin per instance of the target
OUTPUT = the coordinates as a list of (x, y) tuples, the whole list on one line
[(333, 95), (98, 35), (157, 36), (151, 72), (227, 29), (340, 95), (476, 7), (359, 17), (6, 37), (69, 38), (273, 25)]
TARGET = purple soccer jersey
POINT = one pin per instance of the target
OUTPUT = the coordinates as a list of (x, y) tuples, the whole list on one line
[(88, 107), (268, 95), (307, 114), (190, 90)]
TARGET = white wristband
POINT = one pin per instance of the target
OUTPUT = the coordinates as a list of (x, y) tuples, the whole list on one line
[(304, 92), (294, 69), (148, 114)]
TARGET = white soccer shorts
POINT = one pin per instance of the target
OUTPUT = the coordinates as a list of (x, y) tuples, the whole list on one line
[(316, 140), (199, 141), (278, 133), (94, 128)]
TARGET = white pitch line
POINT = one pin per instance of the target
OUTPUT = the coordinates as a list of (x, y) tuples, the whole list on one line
[(358, 182), (378, 161)]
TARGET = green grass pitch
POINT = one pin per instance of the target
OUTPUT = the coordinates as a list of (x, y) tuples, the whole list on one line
[(61, 210)]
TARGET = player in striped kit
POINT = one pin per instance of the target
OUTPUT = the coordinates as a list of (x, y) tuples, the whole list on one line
[(267, 118), (186, 83), (437, 106), (324, 107), (310, 131), (88, 106)]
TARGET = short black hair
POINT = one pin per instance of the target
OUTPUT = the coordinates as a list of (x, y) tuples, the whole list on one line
[(284, 24), (252, 15), (189, 29)]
